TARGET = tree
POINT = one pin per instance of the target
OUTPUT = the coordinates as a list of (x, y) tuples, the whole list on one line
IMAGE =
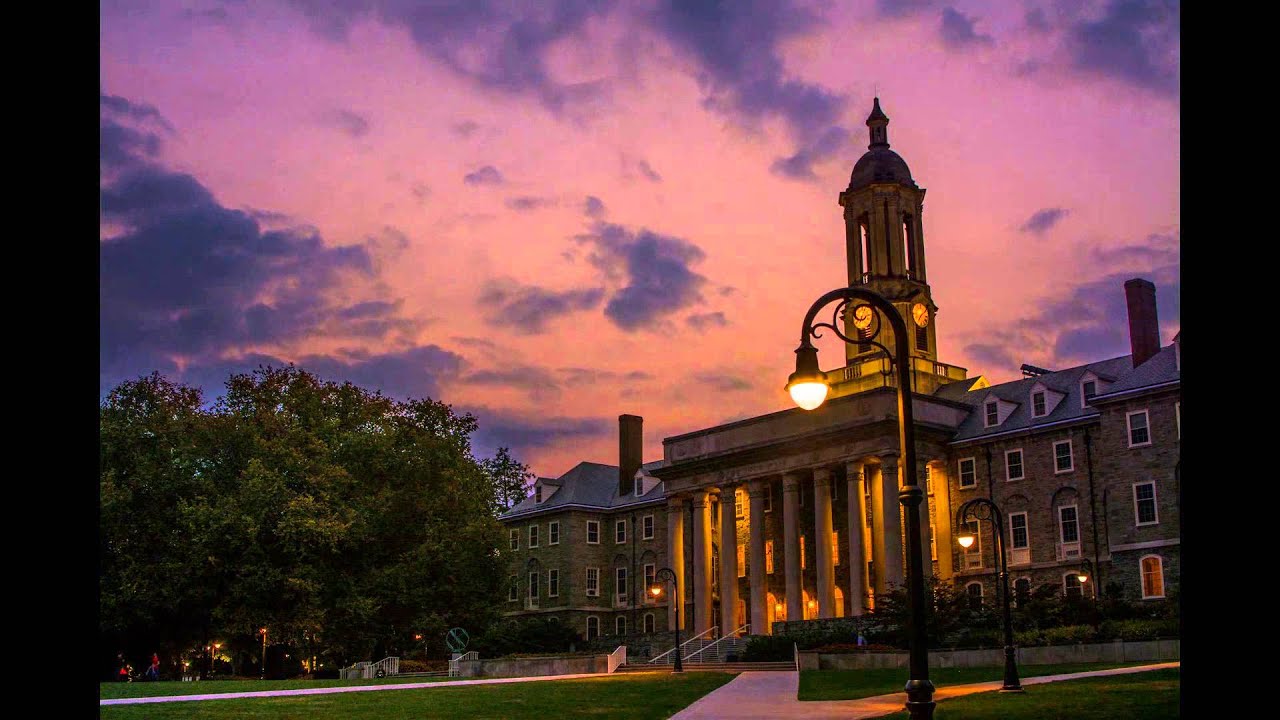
[(510, 479)]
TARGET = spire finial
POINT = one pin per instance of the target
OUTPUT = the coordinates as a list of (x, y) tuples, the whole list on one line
[(877, 121)]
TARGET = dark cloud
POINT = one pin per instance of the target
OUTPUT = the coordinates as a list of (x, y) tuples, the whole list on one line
[(524, 433), (653, 268), (991, 357), (1135, 41), (594, 207), (523, 203), (800, 165), (576, 376), (499, 46), (903, 8), (539, 382), (465, 128), (527, 309), (420, 191), (351, 123), (957, 31), (1041, 222), (721, 381), (124, 137), (648, 172), (122, 108), (1036, 21), (487, 175), (737, 47), (702, 321)]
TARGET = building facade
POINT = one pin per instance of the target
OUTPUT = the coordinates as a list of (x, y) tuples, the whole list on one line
[(795, 514)]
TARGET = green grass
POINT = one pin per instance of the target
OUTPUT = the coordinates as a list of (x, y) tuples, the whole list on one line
[(1141, 696), (640, 696), (112, 690), (853, 684)]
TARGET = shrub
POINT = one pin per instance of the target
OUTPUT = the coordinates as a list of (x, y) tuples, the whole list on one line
[(1068, 635), (325, 674), (769, 648), (414, 666), (1139, 629)]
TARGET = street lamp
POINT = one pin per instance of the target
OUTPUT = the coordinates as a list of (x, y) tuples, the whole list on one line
[(808, 388), (264, 653), (656, 591), (984, 509), (1085, 573)]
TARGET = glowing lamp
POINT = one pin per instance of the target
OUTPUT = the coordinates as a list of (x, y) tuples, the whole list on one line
[(655, 590), (808, 384), (1082, 576), (965, 540)]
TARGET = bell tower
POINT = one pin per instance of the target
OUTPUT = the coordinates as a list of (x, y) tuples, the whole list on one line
[(884, 248)]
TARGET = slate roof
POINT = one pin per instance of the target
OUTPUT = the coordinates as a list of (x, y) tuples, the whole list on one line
[(590, 484), (1157, 370)]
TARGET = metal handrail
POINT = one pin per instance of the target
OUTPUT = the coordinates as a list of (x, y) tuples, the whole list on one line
[(717, 642), (713, 628)]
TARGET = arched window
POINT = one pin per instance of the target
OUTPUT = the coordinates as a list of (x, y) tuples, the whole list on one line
[(648, 623), (1071, 585), (620, 625), (974, 591), (809, 608), (593, 627), (774, 610), (1021, 591), (839, 602), (1152, 576)]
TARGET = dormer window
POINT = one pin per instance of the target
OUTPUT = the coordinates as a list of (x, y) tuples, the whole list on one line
[(993, 413), (1089, 389), (1037, 404), (1090, 385), (639, 486), (537, 494)]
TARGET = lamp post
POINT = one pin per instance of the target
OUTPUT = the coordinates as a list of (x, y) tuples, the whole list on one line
[(264, 653), (656, 591), (984, 509), (1085, 574), (808, 388)]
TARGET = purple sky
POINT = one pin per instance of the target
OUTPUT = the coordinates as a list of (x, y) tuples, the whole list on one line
[(551, 213)]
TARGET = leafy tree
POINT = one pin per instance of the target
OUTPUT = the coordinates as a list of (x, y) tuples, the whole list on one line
[(510, 478)]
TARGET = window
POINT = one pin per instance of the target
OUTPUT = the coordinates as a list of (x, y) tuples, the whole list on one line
[(742, 561), (593, 627), (593, 532), (835, 547), (537, 494), (620, 581), (928, 481), (768, 556), (553, 533), (593, 582), (1152, 577), (1062, 458), (1139, 433), (968, 473), (513, 593), (533, 536), (1177, 417), (620, 531), (1021, 591), (553, 583), (649, 572), (648, 623), (533, 586), (515, 539), (922, 338), (639, 486), (737, 503), (1037, 404), (1068, 525), (646, 527), (802, 558), (1020, 540), (1088, 389), (1071, 586), (1013, 465), (1144, 503), (974, 591), (993, 413), (973, 555), (620, 625), (768, 499)]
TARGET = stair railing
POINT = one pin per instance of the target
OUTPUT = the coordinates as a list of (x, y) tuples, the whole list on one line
[(699, 651), (711, 629)]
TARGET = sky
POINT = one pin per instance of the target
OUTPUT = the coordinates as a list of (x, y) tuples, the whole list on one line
[(554, 212)]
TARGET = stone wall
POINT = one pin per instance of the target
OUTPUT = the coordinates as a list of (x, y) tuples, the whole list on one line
[(533, 667), (1118, 651)]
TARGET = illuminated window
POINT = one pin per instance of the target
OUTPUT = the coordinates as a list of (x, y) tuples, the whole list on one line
[(802, 557), (1139, 433), (593, 532), (1152, 577), (737, 503), (835, 547), (1013, 465), (973, 554), (968, 473), (553, 533), (742, 561), (768, 556), (1063, 461), (1144, 503)]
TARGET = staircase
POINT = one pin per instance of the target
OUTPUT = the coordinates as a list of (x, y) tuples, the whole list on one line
[(706, 653), (710, 667)]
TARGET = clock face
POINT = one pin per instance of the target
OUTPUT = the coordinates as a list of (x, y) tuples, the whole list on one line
[(920, 314), (862, 317)]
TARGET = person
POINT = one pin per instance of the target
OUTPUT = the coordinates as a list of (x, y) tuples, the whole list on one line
[(153, 672), (861, 640)]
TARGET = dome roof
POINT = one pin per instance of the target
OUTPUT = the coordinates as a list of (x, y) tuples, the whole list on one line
[(880, 165)]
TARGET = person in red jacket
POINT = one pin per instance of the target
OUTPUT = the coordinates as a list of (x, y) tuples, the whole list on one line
[(153, 672)]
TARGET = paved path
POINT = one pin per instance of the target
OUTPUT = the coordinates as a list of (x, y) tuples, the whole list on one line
[(766, 695), (342, 689)]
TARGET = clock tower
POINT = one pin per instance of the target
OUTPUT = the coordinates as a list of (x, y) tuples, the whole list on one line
[(884, 247)]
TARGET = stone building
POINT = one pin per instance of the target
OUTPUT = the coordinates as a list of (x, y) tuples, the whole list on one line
[(795, 514)]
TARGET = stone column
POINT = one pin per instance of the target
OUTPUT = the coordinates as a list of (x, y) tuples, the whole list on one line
[(925, 504), (728, 561), (822, 528), (701, 562), (874, 472), (889, 485), (857, 559), (675, 560), (942, 520), (756, 491), (791, 542)]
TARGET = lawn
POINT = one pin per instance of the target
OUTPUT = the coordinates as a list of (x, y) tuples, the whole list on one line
[(853, 684), (1140, 696), (640, 696), (112, 690)]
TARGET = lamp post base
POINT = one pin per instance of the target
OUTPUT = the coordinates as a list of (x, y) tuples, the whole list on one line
[(920, 702), (1012, 689)]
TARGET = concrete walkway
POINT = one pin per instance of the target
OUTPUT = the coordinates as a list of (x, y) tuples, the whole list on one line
[(768, 695), (343, 689)]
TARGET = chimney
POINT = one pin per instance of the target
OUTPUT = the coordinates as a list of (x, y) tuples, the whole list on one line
[(1144, 327), (630, 451)]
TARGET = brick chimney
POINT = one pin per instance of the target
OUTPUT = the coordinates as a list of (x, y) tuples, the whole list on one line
[(630, 451), (1144, 326)]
